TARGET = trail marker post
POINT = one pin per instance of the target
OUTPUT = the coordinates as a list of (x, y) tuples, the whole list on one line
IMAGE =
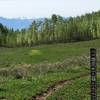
[(93, 74)]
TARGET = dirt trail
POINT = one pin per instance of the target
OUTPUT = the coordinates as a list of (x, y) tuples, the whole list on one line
[(55, 86)]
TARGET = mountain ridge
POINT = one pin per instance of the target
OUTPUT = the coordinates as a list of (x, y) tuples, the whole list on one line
[(17, 23)]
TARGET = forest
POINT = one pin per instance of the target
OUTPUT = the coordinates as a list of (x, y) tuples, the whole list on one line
[(53, 30)]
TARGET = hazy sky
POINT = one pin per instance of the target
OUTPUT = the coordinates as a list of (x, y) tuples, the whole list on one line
[(45, 8)]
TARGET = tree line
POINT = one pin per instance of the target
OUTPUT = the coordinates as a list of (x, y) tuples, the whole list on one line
[(53, 30)]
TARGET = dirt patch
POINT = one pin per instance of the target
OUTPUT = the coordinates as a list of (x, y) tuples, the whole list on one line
[(54, 87)]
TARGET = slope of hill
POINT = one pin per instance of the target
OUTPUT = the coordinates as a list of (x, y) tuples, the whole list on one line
[(42, 67)]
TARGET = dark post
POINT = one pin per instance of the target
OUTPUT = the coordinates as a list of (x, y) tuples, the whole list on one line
[(93, 74)]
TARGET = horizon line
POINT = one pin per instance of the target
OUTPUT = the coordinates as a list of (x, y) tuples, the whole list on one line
[(24, 17)]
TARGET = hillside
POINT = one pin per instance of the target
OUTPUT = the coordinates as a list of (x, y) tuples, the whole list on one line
[(42, 68)]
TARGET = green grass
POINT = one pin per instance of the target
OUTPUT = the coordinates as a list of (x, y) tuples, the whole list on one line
[(39, 77), (16, 89), (46, 53), (77, 90)]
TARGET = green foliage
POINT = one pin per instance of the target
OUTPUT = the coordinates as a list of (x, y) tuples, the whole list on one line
[(54, 30), (3, 34)]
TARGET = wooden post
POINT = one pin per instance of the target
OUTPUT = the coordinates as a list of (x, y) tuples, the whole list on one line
[(93, 74)]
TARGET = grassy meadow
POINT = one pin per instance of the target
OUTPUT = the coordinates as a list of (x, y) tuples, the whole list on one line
[(77, 90), (25, 72), (46, 53)]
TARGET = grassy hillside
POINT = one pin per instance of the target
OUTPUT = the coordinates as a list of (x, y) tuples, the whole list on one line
[(78, 90), (46, 53), (41, 66)]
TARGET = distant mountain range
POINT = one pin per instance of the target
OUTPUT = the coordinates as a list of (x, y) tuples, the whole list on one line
[(17, 23)]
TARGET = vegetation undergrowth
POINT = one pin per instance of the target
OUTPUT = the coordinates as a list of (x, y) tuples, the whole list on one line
[(24, 72)]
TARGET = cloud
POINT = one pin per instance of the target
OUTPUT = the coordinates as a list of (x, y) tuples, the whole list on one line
[(45, 8)]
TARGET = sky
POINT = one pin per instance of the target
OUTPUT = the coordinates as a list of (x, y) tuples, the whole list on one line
[(45, 8)]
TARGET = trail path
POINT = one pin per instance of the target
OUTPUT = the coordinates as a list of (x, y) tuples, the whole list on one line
[(56, 86)]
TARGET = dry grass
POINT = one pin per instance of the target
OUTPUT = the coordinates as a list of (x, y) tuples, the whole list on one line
[(17, 71), (22, 69)]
